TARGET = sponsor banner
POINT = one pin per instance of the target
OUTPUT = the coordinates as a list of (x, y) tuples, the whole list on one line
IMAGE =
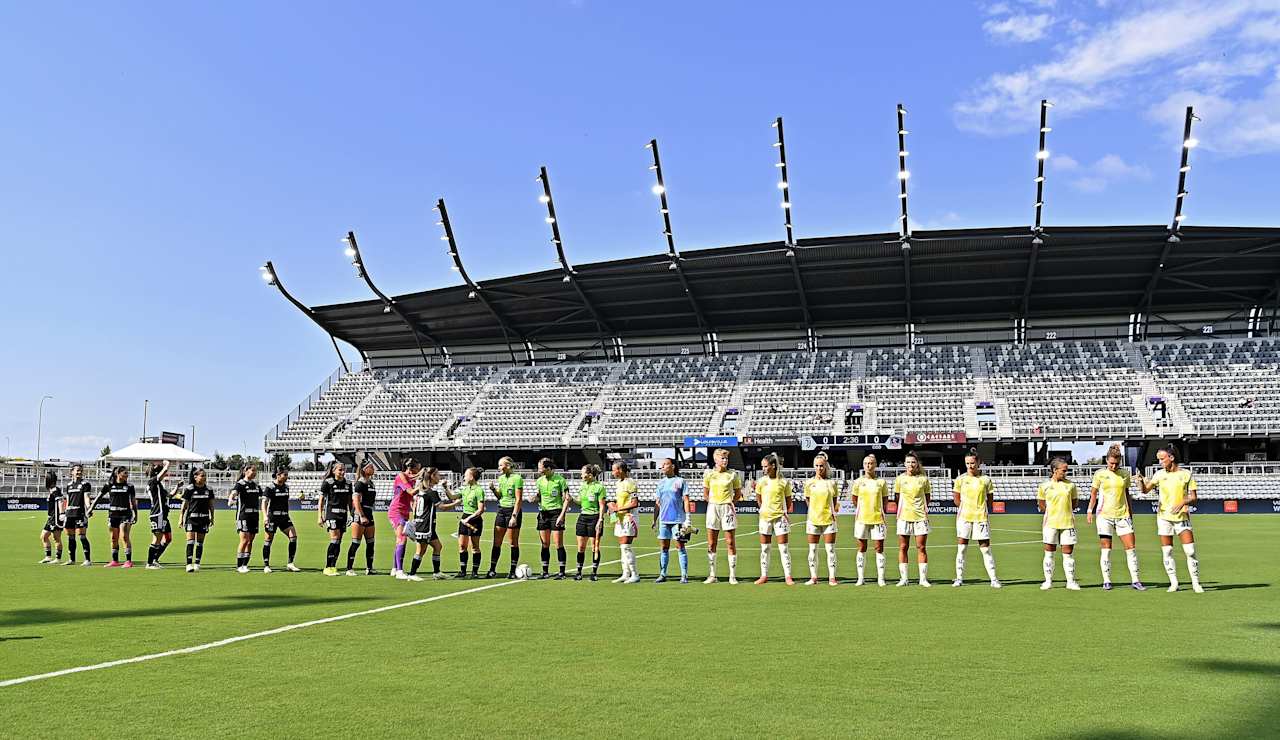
[(874, 441), (997, 507), (710, 441), (936, 438), (1230, 507), (770, 441)]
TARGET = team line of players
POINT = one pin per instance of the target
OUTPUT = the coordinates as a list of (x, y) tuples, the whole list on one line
[(420, 493)]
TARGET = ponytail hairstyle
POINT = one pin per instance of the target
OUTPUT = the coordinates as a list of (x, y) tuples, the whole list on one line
[(973, 452), (1170, 451), (116, 471), (1114, 451), (506, 459), (408, 464), (547, 463), (244, 471), (50, 480), (475, 473), (154, 470), (424, 480), (1057, 462), (772, 457), (191, 477), (328, 469), (911, 456), (593, 469), (622, 465)]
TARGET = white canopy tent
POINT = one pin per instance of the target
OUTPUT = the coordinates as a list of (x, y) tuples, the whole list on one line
[(154, 452)]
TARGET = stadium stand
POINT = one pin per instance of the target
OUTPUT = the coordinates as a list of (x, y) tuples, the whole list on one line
[(1223, 388)]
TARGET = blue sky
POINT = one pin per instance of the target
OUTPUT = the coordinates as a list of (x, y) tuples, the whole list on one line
[(155, 154)]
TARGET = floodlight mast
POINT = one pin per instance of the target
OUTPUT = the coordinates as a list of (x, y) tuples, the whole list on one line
[(476, 293), (272, 278), (352, 251), (904, 233), (660, 189), (784, 184)]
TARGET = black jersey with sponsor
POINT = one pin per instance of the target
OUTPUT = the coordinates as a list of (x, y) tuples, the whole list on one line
[(424, 510), (120, 496), (78, 497), (199, 501), (276, 499), (366, 492), (336, 495), (53, 503), (248, 497), (159, 498)]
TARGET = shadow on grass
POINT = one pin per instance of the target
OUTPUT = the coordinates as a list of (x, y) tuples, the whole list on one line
[(242, 602), (20, 637), (1267, 625), (1213, 586)]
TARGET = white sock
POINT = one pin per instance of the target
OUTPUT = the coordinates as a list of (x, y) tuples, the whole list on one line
[(626, 560), (711, 562), (764, 559), (1069, 567), (924, 571), (902, 571), (1131, 556), (733, 565), (1170, 567), (831, 560), (813, 560), (880, 565), (1104, 559), (1048, 566), (631, 560), (1193, 563), (960, 561), (989, 560), (784, 552), (862, 563)]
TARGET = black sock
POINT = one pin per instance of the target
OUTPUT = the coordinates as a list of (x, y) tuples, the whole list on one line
[(59, 555), (199, 551), (293, 548), (351, 554), (84, 543), (160, 548), (546, 558), (475, 563), (413, 567), (595, 562), (242, 559), (71, 544), (266, 554), (494, 553), (462, 560), (515, 558), (151, 554), (115, 554), (582, 555), (191, 548), (368, 554), (435, 563), (331, 556), (563, 558), (128, 554), (48, 551)]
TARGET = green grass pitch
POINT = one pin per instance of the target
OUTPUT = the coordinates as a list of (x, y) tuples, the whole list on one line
[(566, 659)]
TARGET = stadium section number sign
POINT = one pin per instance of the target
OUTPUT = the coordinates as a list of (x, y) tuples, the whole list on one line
[(814, 441)]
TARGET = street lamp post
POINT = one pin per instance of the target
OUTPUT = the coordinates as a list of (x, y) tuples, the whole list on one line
[(40, 425)]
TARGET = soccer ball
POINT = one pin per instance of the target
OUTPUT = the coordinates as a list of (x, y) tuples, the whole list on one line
[(523, 571)]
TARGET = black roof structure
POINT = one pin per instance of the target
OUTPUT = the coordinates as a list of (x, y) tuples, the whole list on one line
[(848, 281)]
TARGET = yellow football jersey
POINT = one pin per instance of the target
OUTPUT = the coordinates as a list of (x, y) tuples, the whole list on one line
[(975, 491), (626, 496), (821, 494), (871, 493), (772, 494), (721, 487), (1173, 486), (1112, 487), (912, 492), (1059, 497)]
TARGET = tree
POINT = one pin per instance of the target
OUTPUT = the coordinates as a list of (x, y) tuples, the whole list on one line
[(235, 462), (281, 461), (106, 450), (219, 462)]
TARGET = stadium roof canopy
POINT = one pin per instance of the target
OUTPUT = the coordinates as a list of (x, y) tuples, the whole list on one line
[(845, 281)]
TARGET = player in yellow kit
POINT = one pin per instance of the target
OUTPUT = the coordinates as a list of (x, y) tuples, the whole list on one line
[(624, 507), (870, 491), (911, 491), (773, 496), (1177, 493), (823, 495), (1114, 516), (1056, 499), (972, 493), (723, 489)]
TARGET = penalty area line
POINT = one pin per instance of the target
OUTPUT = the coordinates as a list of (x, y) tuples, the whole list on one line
[(242, 638)]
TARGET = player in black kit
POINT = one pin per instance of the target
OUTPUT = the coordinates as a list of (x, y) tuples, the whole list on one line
[(161, 532), (362, 521), (429, 496), (334, 513), (197, 517), (276, 502), (245, 498), (56, 507), (122, 500), (77, 515)]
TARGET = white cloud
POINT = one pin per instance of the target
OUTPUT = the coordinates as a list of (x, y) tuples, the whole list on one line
[(1233, 126), (1062, 162), (1019, 28), (1129, 59), (1098, 176)]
